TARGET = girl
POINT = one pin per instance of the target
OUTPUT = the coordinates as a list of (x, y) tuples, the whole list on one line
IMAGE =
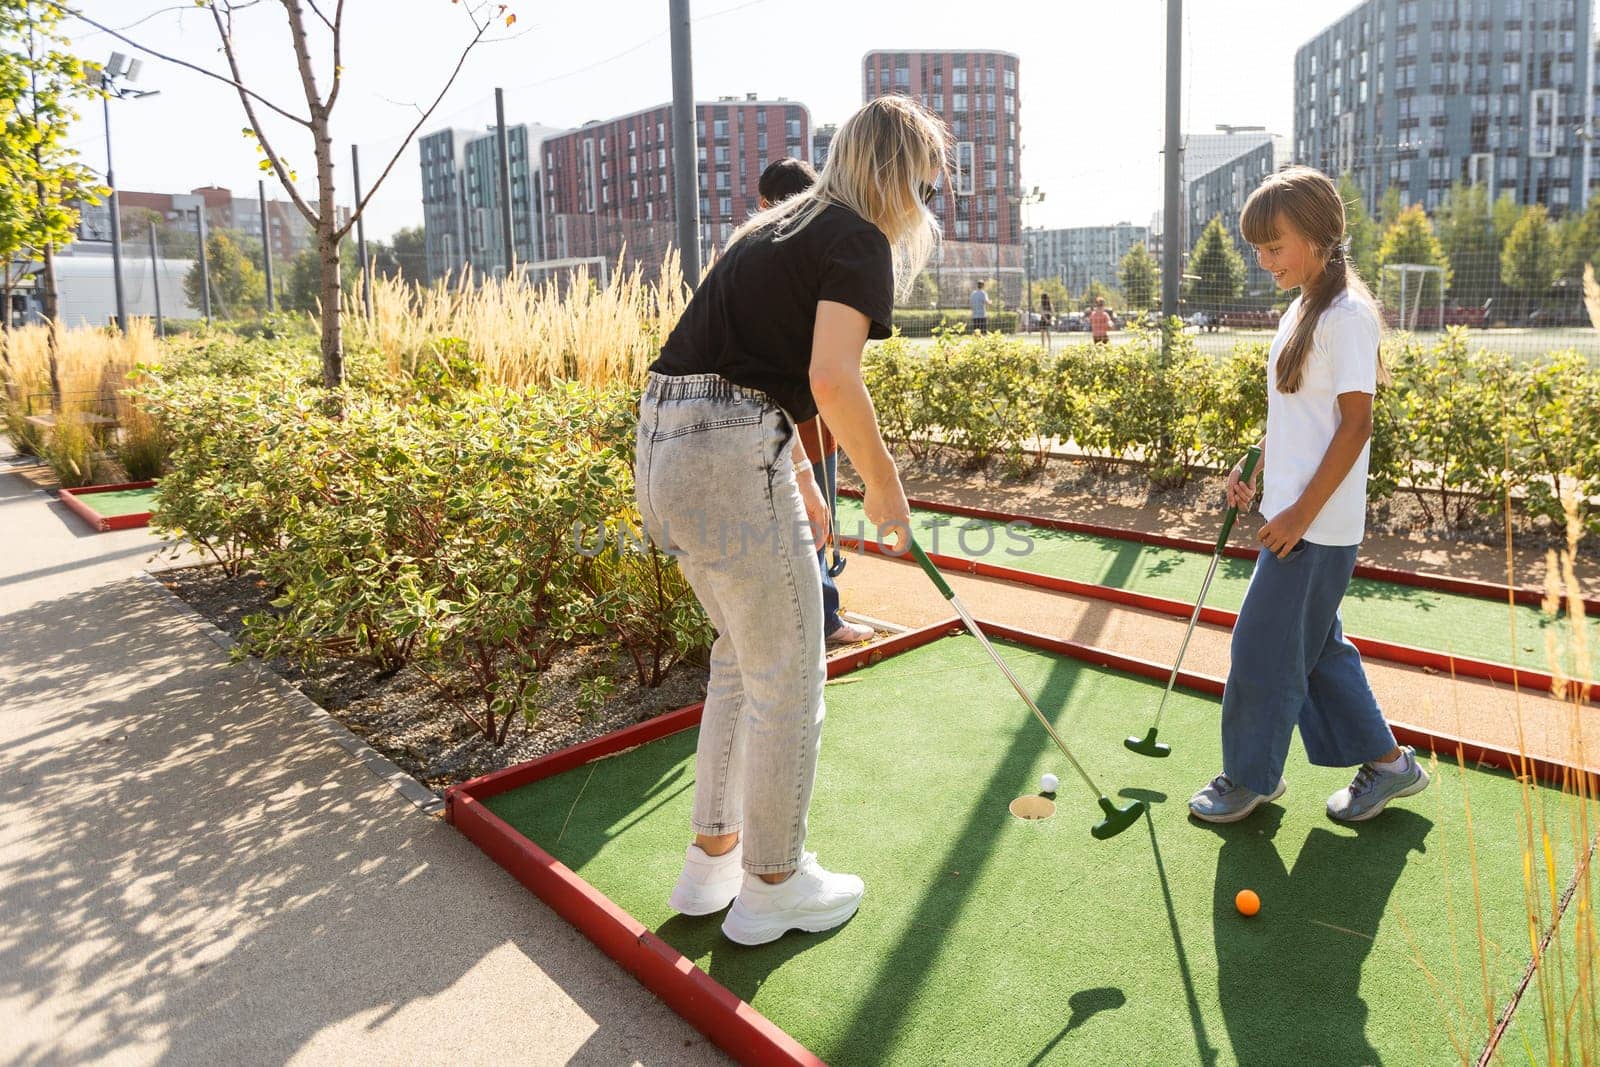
[(1291, 663), (774, 335)]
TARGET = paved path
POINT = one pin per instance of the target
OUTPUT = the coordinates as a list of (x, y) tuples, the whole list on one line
[(194, 871)]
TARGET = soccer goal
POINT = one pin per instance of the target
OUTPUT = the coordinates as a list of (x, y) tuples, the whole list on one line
[(1405, 293)]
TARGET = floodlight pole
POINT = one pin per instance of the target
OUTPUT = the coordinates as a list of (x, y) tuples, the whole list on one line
[(1172, 210), (684, 144)]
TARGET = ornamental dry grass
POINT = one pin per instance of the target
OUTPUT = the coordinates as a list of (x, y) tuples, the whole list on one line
[(522, 334)]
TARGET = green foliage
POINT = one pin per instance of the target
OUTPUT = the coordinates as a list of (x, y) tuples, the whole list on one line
[(986, 393), (1410, 240), (1360, 229), (304, 292), (1218, 265), (41, 181), (1465, 226), (1530, 260), (237, 285), (1096, 290), (443, 532), (1140, 278)]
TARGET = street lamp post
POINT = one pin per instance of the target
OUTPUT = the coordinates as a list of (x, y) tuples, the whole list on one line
[(105, 78)]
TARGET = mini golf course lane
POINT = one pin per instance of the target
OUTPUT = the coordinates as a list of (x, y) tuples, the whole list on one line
[(985, 939), (116, 502), (1451, 623)]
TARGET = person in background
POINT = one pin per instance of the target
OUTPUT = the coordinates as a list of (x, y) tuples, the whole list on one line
[(980, 309), (782, 179), (1046, 319), (1100, 322)]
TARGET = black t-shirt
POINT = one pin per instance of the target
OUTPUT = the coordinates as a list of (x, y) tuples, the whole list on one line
[(752, 318)]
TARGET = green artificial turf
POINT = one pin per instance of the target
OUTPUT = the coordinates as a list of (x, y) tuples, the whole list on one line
[(1444, 622), (984, 939), (114, 502)]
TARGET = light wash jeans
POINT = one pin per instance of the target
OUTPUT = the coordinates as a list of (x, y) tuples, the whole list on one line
[(1292, 666), (716, 488)]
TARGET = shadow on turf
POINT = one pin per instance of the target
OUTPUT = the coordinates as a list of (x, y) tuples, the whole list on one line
[(1203, 1046), (1085, 1005), (1289, 979)]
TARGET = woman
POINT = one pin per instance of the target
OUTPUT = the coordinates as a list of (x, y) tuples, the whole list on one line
[(773, 337)]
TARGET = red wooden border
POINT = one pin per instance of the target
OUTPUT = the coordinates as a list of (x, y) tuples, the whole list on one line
[(1420, 579), (85, 511), (1389, 651), (710, 1007)]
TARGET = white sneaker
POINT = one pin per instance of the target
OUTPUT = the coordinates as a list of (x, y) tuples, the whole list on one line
[(850, 633), (708, 883), (811, 899)]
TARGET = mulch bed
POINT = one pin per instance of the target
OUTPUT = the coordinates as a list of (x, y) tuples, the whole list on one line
[(405, 717)]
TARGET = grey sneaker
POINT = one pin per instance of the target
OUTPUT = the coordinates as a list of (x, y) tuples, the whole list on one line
[(1225, 801), (1372, 789)]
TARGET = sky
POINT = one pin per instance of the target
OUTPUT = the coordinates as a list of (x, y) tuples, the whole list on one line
[(1092, 81)]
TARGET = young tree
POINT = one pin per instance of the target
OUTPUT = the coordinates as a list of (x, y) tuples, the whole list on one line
[(1529, 262), (1141, 280), (304, 287), (237, 285), (308, 27), (1096, 290), (1363, 233), (41, 181), (1389, 208), (1410, 240), (1465, 227), (1219, 266), (1580, 240)]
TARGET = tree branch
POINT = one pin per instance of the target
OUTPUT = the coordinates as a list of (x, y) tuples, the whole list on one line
[(233, 82), (225, 32), (405, 142), (318, 11), (338, 47)]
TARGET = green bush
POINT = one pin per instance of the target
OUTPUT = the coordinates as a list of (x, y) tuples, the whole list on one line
[(985, 394)]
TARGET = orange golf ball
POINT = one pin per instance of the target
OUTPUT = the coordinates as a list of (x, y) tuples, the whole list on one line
[(1247, 902)]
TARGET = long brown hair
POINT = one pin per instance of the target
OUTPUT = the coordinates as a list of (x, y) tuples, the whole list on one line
[(1311, 204)]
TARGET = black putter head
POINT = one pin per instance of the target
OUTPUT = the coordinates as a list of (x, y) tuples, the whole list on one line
[(1148, 745), (1117, 819)]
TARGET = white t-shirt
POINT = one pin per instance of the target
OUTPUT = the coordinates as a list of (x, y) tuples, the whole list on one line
[(980, 304), (1300, 425)]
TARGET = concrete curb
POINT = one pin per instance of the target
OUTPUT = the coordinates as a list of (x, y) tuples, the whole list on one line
[(424, 798)]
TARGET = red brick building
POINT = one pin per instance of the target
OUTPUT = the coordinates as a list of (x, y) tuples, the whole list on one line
[(976, 93), (612, 180)]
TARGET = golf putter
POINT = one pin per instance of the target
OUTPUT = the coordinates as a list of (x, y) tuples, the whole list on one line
[(1148, 745), (836, 565), (1116, 819)]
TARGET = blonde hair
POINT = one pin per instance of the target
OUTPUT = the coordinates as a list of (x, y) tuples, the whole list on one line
[(1309, 200), (876, 167)]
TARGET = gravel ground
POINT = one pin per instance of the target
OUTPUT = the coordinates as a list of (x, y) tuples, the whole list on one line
[(405, 716)]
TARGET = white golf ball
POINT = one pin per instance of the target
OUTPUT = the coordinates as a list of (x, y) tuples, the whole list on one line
[(1048, 783)]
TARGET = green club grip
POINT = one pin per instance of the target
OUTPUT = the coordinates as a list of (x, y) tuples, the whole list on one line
[(931, 571), (1249, 468)]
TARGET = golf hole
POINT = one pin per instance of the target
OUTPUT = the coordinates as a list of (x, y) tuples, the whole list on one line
[(1033, 807)]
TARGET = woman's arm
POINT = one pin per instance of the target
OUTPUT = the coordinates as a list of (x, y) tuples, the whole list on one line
[(1355, 429), (837, 341)]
